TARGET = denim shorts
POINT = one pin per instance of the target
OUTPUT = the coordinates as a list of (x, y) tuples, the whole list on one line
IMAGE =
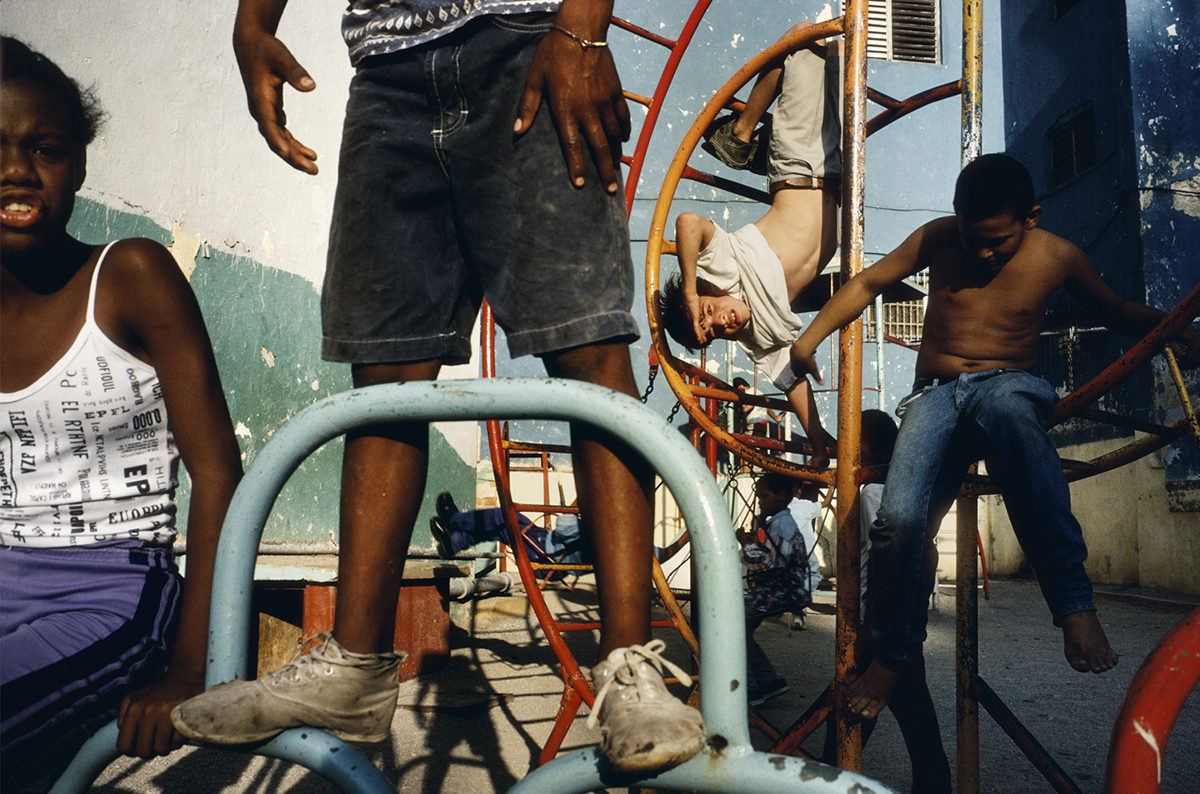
[(439, 205)]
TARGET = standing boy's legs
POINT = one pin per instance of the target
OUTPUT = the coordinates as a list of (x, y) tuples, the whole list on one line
[(613, 485), (383, 482), (643, 727)]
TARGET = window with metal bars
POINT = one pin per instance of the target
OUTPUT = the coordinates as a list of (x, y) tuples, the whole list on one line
[(1072, 143), (902, 320), (903, 30)]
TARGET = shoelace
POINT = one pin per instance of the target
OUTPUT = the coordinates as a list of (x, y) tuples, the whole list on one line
[(300, 664), (626, 672)]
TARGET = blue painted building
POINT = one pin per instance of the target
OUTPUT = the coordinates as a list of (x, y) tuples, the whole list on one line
[(1097, 97)]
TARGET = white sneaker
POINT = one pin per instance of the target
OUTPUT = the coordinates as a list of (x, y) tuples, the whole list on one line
[(351, 695), (643, 728)]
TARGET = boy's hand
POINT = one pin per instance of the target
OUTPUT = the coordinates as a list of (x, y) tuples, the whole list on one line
[(691, 304), (803, 362), (145, 716), (266, 64), (582, 89)]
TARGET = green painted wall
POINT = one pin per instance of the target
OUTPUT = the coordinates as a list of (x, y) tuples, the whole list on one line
[(265, 329)]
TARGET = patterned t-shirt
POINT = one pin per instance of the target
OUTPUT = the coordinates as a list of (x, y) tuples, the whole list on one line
[(378, 27), (86, 454)]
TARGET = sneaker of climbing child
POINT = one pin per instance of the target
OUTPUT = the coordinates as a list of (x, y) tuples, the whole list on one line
[(351, 695), (644, 729), (722, 144)]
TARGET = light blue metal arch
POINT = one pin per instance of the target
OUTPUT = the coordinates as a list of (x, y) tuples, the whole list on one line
[(728, 764)]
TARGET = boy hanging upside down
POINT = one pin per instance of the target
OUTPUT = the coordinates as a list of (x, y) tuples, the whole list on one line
[(748, 285), (991, 271)]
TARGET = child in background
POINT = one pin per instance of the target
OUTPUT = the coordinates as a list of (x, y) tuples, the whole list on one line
[(778, 580), (107, 381), (455, 530)]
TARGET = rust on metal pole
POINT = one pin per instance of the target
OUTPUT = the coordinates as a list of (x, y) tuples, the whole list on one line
[(972, 80), (854, 106), (966, 581), (967, 575)]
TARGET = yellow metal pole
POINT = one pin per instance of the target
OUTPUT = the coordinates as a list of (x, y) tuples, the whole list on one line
[(967, 576), (854, 108), (972, 80)]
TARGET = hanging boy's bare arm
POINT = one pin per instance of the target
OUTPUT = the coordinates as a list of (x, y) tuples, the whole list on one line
[(692, 234)]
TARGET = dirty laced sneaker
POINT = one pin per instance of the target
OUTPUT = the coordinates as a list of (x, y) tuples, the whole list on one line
[(351, 695), (731, 150), (643, 728)]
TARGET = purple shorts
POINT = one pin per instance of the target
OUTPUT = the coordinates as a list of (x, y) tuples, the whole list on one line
[(80, 628)]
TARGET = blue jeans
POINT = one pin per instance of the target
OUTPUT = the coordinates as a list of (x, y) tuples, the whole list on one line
[(999, 415), (760, 672)]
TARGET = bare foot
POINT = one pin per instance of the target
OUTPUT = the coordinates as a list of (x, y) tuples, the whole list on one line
[(869, 694), (1084, 643)]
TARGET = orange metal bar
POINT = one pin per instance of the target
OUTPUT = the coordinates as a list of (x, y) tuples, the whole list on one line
[(1138, 354), (850, 352)]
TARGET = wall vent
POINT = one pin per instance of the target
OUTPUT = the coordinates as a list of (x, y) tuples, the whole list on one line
[(903, 30)]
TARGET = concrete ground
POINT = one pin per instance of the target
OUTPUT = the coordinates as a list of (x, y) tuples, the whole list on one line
[(476, 725)]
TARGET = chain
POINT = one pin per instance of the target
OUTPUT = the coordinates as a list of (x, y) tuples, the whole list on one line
[(650, 385), (675, 410)]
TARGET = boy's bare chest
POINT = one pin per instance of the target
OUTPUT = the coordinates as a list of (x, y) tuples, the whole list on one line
[(1007, 299)]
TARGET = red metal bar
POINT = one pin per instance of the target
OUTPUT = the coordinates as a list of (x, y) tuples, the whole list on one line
[(1150, 708), (678, 47), (1148, 345), (898, 109)]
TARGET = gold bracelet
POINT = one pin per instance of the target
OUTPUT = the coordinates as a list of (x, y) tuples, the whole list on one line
[(582, 42)]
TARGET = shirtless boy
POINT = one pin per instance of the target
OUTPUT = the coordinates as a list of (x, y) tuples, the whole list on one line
[(749, 284), (991, 271)]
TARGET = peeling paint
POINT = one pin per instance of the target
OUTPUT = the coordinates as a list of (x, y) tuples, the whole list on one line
[(814, 771), (1148, 736), (241, 431), (268, 357), (315, 385), (1186, 196), (733, 43), (183, 249)]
